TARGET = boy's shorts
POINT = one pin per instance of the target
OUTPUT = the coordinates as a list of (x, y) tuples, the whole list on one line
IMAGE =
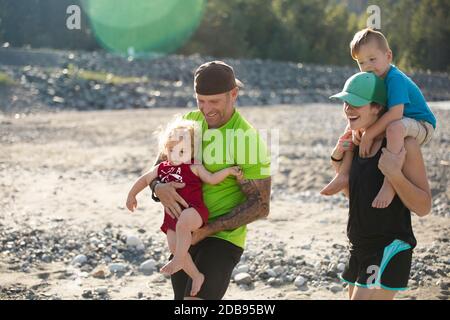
[(386, 268), (420, 130)]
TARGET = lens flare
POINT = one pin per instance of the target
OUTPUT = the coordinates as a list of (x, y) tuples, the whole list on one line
[(143, 27)]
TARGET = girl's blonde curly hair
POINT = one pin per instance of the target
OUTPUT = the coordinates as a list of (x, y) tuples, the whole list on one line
[(175, 131)]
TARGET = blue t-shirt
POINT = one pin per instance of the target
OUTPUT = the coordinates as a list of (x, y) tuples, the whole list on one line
[(402, 90)]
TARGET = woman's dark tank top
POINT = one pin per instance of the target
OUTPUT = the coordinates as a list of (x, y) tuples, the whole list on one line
[(370, 228)]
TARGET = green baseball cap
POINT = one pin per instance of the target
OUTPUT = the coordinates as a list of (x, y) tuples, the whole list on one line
[(363, 88)]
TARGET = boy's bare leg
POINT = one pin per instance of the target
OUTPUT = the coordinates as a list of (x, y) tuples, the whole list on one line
[(189, 266), (395, 134), (340, 180)]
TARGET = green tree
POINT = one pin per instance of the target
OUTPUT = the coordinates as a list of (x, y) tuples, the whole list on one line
[(42, 23), (314, 31), (396, 26), (338, 30), (418, 32), (219, 33), (302, 22), (261, 29), (430, 32)]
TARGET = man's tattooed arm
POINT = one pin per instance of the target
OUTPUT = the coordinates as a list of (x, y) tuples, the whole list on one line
[(257, 206)]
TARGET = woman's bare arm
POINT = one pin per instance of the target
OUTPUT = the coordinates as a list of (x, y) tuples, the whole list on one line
[(341, 152)]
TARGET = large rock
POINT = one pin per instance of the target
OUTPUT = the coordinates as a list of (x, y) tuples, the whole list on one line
[(101, 290), (117, 267), (79, 260), (278, 270), (299, 281), (336, 288), (242, 268), (243, 278), (134, 241), (148, 266), (341, 267)]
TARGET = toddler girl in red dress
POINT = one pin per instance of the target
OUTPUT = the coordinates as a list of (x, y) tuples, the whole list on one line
[(178, 148)]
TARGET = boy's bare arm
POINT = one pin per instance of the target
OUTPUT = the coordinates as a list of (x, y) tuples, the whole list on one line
[(393, 114)]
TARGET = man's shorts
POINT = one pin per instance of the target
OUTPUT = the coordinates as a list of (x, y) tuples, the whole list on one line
[(216, 259), (420, 130), (387, 268)]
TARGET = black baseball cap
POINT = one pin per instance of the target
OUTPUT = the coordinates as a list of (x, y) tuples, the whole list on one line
[(215, 77)]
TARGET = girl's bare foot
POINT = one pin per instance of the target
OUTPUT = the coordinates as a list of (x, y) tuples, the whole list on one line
[(339, 182), (172, 266), (384, 196), (197, 282)]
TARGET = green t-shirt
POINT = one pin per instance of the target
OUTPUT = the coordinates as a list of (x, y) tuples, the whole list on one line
[(235, 143)]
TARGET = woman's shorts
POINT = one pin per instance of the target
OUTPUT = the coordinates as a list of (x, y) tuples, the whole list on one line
[(420, 130), (387, 268)]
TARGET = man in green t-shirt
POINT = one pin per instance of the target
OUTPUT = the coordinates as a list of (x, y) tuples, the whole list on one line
[(227, 140)]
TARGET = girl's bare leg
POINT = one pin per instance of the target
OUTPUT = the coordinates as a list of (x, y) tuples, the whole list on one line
[(179, 243)]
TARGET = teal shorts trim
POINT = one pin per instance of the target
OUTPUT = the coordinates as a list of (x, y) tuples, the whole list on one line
[(356, 284), (387, 268)]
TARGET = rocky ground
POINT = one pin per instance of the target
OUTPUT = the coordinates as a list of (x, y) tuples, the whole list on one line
[(61, 80), (65, 233)]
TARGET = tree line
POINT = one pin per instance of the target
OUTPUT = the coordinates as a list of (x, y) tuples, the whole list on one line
[(311, 31)]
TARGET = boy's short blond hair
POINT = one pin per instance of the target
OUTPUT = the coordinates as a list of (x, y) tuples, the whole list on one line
[(365, 36)]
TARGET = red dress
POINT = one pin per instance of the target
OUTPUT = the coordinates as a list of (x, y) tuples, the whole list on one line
[(192, 192)]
